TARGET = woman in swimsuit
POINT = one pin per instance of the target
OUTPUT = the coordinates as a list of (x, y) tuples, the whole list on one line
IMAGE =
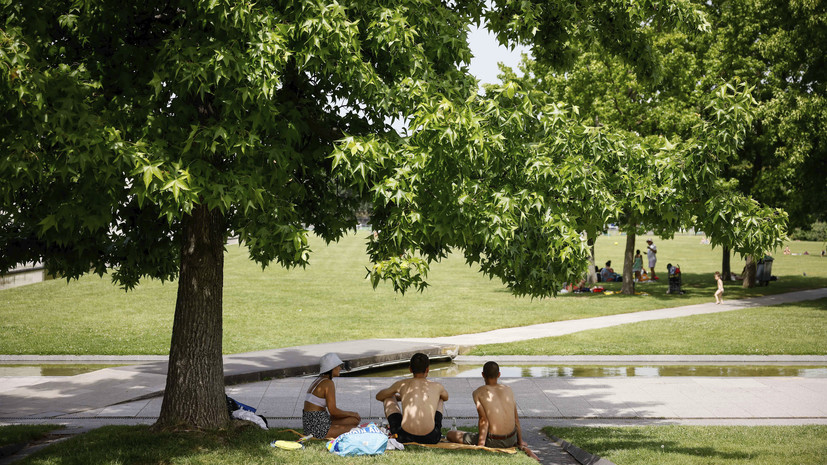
[(320, 416)]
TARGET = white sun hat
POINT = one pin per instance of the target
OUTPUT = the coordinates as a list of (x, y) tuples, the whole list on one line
[(329, 362)]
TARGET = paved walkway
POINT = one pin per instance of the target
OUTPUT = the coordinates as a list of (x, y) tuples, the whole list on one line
[(130, 394), (560, 328)]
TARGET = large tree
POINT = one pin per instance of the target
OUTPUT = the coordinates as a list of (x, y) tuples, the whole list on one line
[(664, 190), (136, 137)]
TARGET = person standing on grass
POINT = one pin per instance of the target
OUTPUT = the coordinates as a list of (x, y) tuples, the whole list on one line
[(321, 417), (420, 418), (637, 265), (720, 291), (652, 255), (499, 424)]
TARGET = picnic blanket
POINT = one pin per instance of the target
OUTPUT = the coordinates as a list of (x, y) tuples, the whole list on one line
[(440, 445)]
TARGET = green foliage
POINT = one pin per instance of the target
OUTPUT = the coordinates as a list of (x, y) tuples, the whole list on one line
[(816, 232), (680, 138), (560, 32), (779, 46), (118, 119)]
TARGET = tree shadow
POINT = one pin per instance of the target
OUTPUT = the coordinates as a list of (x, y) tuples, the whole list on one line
[(637, 441)]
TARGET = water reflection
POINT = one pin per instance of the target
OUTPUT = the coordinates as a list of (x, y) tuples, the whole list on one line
[(454, 370), (51, 369)]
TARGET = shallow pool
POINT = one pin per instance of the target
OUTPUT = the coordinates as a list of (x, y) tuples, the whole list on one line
[(454, 370), (56, 369)]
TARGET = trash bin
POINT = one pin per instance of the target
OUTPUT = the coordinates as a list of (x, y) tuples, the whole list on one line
[(763, 274), (674, 280)]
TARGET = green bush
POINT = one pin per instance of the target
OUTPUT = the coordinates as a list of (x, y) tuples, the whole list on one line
[(816, 232)]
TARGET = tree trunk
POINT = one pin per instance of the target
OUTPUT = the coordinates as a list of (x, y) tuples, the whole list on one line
[(726, 267), (194, 395), (750, 270), (592, 276), (628, 286)]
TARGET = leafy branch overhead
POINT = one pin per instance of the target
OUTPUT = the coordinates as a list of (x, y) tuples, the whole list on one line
[(517, 182)]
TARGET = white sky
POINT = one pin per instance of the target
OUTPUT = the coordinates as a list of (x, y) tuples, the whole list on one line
[(488, 52)]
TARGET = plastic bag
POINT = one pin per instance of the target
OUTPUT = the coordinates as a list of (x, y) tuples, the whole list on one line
[(369, 440)]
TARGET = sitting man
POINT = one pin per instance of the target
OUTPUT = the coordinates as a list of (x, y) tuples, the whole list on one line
[(420, 419), (499, 425)]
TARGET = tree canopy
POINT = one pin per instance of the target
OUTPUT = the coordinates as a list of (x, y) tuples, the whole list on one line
[(136, 137)]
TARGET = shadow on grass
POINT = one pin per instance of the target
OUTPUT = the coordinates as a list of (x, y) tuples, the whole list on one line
[(124, 445), (637, 441), (138, 445)]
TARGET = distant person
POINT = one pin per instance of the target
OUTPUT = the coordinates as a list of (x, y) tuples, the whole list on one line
[(499, 424), (787, 251), (720, 292), (607, 273), (420, 418), (652, 255), (637, 265), (321, 417)]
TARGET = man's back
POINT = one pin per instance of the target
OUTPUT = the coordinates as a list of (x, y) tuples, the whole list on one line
[(420, 399), (498, 402)]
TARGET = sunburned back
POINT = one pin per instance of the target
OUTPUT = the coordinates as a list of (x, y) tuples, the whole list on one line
[(498, 402), (420, 399)]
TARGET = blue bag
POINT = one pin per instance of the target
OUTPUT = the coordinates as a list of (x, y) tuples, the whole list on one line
[(359, 441)]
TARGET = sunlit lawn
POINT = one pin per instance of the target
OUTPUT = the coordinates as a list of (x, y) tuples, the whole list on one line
[(793, 329), (702, 445), (125, 445), (331, 301)]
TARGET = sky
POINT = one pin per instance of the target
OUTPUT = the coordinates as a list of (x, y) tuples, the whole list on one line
[(488, 52)]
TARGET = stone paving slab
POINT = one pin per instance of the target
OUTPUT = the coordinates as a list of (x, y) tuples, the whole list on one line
[(55, 396), (741, 401)]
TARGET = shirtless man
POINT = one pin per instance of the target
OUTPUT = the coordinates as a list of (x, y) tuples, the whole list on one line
[(420, 419), (499, 425)]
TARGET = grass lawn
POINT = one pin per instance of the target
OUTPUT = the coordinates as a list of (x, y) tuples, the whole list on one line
[(124, 445), (21, 434), (702, 445), (331, 301), (754, 331)]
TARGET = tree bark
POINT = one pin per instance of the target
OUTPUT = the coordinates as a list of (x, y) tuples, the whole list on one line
[(592, 276), (628, 287), (726, 267), (750, 270), (194, 395)]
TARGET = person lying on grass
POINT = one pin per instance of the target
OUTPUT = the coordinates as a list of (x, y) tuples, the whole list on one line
[(321, 417), (499, 424), (420, 418)]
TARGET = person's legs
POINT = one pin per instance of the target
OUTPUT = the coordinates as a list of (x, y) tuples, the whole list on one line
[(459, 437), (391, 406), (340, 426)]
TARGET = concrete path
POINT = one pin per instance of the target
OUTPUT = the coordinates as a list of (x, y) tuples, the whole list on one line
[(560, 328)]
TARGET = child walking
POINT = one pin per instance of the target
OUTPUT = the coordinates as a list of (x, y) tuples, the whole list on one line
[(720, 290)]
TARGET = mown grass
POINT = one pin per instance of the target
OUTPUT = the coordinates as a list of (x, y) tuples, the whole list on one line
[(21, 434), (702, 445), (126, 445), (331, 301), (793, 329)]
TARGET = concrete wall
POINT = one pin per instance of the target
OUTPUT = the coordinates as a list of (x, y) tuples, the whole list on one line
[(28, 273)]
